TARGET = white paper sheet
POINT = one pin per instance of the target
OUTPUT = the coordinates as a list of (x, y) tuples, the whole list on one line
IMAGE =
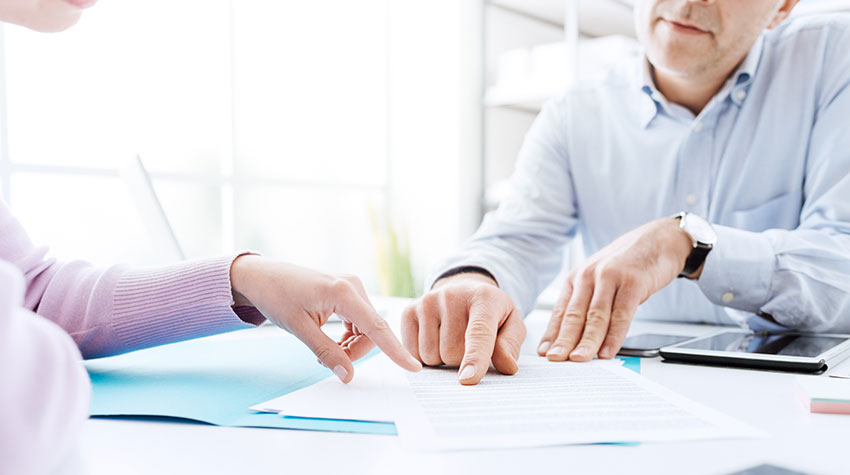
[(550, 404), (363, 399)]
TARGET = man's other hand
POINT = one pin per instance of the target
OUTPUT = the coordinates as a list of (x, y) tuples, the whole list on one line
[(600, 297)]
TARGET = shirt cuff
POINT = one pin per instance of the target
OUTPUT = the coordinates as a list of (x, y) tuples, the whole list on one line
[(505, 280), (465, 270), (738, 271)]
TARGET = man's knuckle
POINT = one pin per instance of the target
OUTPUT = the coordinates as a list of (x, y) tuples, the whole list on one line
[(478, 329), (629, 279), (572, 316), (408, 315), (587, 274), (482, 292), (431, 303), (619, 314), (617, 334), (608, 273), (596, 317)]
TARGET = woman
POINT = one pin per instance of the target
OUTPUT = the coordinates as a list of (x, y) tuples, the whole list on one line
[(52, 313)]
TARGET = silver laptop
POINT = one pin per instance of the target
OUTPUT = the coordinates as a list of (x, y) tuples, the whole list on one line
[(153, 216)]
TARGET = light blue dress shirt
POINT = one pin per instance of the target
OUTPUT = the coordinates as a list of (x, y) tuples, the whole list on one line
[(767, 161)]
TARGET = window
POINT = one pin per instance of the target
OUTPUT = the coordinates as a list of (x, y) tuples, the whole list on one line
[(263, 124)]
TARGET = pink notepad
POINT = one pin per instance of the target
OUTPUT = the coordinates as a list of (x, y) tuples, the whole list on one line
[(824, 395)]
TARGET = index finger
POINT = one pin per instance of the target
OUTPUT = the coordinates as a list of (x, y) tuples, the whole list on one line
[(479, 342), (597, 321), (361, 314)]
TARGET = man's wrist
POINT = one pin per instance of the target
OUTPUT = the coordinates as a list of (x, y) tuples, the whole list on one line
[(681, 243), (703, 237), (467, 273), (683, 258)]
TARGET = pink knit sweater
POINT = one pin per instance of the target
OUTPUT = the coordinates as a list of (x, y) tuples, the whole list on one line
[(43, 388)]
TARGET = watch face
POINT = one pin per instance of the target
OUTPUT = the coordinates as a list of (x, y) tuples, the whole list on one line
[(699, 229)]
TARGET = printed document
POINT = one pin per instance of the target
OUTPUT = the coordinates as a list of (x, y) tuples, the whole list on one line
[(548, 403)]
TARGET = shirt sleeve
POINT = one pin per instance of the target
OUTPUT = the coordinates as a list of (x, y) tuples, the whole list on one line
[(800, 277), (521, 243), (119, 309), (45, 390)]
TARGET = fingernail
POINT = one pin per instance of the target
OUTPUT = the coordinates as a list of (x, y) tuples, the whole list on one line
[(604, 352), (340, 372), (557, 352), (580, 352), (544, 347), (467, 373), (416, 363)]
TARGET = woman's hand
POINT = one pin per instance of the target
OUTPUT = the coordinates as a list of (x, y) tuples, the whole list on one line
[(301, 300)]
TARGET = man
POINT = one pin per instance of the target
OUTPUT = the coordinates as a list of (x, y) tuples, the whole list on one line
[(733, 116)]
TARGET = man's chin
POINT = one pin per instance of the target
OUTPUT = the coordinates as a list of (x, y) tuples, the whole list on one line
[(677, 63)]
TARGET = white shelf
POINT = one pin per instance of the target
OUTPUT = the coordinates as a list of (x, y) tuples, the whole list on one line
[(526, 100), (812, 7), (528, 91), (614, 17)]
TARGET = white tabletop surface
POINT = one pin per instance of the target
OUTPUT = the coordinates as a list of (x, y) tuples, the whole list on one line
[(798, 440)]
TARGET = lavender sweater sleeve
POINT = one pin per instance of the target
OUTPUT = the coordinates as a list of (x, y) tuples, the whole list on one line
[(44, 390), (118, 309)]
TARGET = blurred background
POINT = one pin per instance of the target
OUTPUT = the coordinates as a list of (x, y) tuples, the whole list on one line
[(357, 136)]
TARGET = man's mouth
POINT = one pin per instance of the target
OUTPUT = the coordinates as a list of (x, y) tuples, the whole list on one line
[(684, 27)]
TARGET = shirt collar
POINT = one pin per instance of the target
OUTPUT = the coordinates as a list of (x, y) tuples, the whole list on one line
[(653, 102)]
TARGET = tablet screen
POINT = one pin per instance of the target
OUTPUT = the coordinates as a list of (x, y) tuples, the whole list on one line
[(787, 344)]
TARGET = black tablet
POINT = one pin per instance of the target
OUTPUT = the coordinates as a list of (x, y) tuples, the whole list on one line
[(783, 351)]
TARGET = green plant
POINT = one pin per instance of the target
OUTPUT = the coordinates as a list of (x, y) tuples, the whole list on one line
[(393, 255)]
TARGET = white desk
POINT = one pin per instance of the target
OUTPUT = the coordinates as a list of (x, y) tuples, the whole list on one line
[(815, 443)]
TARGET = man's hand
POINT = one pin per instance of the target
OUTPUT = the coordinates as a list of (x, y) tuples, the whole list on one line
[(595, 309), (465, 320), (301, 300)]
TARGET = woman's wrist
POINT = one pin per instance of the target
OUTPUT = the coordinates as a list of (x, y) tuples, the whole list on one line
[(240, 277)]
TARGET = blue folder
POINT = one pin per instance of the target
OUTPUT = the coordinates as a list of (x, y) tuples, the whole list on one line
[(216, 379)]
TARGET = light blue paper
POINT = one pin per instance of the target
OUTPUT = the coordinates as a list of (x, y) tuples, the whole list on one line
[(214, 381), (631, 362)]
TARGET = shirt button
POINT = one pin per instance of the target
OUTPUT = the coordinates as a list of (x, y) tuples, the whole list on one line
[(697, 126), (728, 297), (740, 94), (692, 199)]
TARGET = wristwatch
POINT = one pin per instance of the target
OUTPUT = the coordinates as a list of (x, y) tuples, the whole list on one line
[(704, 237)]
